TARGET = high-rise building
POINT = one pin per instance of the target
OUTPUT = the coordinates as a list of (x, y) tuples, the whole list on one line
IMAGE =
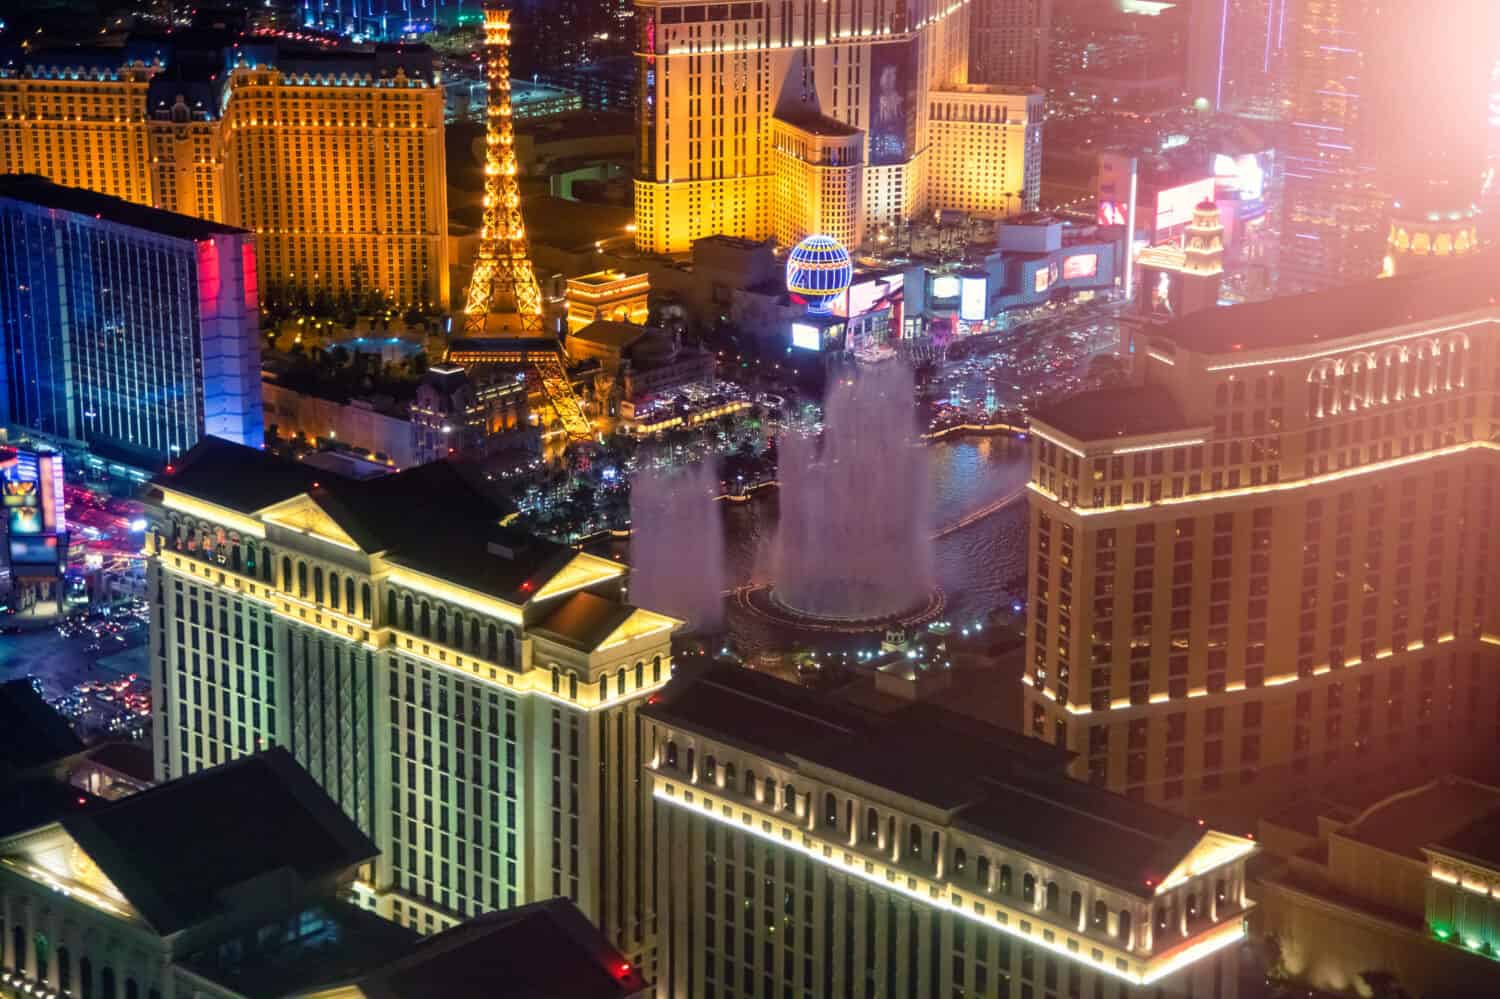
[(335, 159), (133, 330), (1008, 42), (466, 693), (1237, 53), (743, 105), (810, 845), (1268, 565), (1333, 228)]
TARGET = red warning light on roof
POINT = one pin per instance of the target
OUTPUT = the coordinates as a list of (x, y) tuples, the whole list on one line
[(623, 969)]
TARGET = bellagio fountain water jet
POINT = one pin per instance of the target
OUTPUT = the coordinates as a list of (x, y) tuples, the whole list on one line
[(677, 545), (854, 542)]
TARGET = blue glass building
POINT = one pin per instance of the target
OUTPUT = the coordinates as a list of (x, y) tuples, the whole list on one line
[(129, 329)]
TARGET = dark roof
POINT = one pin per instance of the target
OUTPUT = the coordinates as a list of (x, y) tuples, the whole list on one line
[(816, 122), (1479, 840), (31, 803), (584, 620), (133, 759), (346, 942), (189, 850), (431, 518), (1000, 784), (1114, 412), (546, 950), (43, 193), (1455, 286), (1407, 821), (610, 333), (31, 733), (242, 478)]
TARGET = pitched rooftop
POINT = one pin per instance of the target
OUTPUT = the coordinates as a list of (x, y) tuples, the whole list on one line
[(1134, 410), (998, 784)]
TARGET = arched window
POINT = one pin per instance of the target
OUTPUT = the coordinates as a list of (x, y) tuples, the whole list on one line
[(265, 565), (750, 783), (1100, 918), (474, 635), (731, 777), (442, 621), (960, 860), (510, 647), (43, 955), (107, 984), (408, 614), (640, 675), (458, 631), (768, 793), (1028, 888), (830, 810), (789, 798), (556, 681), (1075, 906), (234, 556), (1220, 892), (334, 593), (85, 978), (671, 753), (872, 826), (1006, 886), (656, 670), (317, 585), (620, 682), (914, 840), (573, 686), (492, 644), (364, 600), (982, 872), (710, 767), (1192, 905), (1054, 894), (64, 970), (286, 574), (1124, 933), (390, 608), (18, 947), (349, 595), (425, 617), (301, 590)]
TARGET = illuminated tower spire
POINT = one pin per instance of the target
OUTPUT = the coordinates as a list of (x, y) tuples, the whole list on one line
[(504, 299), (505, 303)]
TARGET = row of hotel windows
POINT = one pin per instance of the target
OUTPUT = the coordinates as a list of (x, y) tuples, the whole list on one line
[(993, 880)]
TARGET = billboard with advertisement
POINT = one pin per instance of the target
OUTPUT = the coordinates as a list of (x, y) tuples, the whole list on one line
[(1079, 266), (893, 110), (945, 286), (34, 551), (806, 336), (31, 492), (974, 298), (1242, 177), (1041, 280), (1174, 205), (1161, 289)]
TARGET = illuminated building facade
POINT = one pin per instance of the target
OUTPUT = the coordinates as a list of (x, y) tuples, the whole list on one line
[(1403, 885), (466, 693), (1009, 42), (986, 151), (1237, 54), (133, 330), (810, 847), (334, 159), (730, 91), (612, 295), (1268, 565), (1332, 232)]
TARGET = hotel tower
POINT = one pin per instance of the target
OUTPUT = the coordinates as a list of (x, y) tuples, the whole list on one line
[(1270, 564), (844, 118)]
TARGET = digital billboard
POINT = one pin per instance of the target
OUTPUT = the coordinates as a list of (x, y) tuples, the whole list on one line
[(1042, 280), (893, 114), (806, 336), (974, 299), (34, 551), (1080, 265), (1161, 286), (945, 286), (1242, 177), (31, 492), (1174, 206)]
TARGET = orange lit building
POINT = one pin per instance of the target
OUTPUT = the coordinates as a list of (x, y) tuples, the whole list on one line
[(1269, 564), (334, 159)]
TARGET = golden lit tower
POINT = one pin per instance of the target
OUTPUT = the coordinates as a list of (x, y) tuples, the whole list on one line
[(503, 295), (505, 303)]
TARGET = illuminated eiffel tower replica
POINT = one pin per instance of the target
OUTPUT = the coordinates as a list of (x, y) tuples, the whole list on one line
[(503, 315)]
